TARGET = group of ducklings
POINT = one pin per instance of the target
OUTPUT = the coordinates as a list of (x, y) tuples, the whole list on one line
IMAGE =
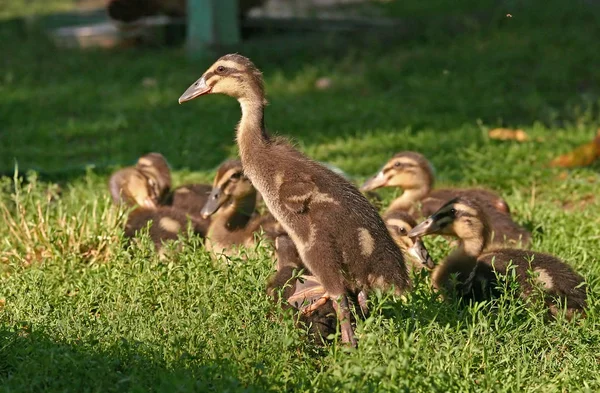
[(226, 215), (326, 230)]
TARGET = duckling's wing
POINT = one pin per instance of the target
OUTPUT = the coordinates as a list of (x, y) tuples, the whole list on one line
[(297, 195)]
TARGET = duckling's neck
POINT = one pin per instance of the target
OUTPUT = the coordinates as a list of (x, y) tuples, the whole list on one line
[(474, 246), (251, 131), (236, 215), (408, 198)]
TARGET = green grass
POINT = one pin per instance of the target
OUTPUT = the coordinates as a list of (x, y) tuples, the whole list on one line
[(81, 311)]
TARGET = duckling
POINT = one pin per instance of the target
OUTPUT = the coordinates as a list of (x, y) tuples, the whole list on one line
[(189, 198), (232, 206), (165, 223), (476, 265), (339, 235), (399, 223), (129, 186), (156, 169), (414, 173), (301, 292)]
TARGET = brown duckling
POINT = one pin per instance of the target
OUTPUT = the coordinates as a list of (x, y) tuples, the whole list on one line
[(129, 186), (301, 292), (476, 265), (399, 223), (232, 208), (339, 235), (189, 198), (165, 224), (156, 169), (414, 174)]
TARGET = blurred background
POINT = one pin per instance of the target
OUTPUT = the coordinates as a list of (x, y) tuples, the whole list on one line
[(94, 83)]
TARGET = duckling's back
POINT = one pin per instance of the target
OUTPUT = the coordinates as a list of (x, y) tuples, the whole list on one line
[(330, 221)]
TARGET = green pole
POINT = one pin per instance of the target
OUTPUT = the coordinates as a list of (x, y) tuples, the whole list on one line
[(211, 24)]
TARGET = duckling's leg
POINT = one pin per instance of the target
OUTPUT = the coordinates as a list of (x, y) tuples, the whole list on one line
[(308, 310), (362, 302), (340, 305)]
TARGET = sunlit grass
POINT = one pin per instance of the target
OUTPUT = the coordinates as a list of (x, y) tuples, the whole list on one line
[(81, 310)]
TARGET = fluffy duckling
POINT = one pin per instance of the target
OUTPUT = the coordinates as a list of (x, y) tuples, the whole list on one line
[(189, 198), (129, 186), (301, 292), (339, 235), (414, 174), (475, 264), (399, 223), (165, 224), (232, 207), (156, 169)]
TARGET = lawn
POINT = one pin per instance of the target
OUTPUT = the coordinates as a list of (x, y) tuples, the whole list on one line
[(80, 311)]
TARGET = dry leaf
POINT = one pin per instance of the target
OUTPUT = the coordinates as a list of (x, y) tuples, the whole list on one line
[(323, 83), (581, 156), (506, 134)]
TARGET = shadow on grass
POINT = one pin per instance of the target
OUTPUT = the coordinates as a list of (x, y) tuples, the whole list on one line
[(33, 361)]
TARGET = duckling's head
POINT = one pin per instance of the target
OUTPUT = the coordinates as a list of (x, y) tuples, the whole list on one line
[(399, 224), (461, 217), (156, 169), (233, 75), (408, 169), (230, 185), (129, 185)]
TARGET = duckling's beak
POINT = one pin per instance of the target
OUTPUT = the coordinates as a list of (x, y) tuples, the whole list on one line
[(197, 89), (420, 253), (377, 181), (216, 199), (427, 227), (149, 203)]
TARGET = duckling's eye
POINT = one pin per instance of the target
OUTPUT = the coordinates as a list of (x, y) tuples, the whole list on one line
[(397, 164), (403, 230), (453, 211), (236, 176), (220, 69)]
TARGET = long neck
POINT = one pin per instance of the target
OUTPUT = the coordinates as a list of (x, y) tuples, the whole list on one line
[(251, 132), (408, 198)]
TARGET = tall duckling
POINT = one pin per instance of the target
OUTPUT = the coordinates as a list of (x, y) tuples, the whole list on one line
[(414, 174), (475, 265), (232, 208), (339, 235), (301, 292)]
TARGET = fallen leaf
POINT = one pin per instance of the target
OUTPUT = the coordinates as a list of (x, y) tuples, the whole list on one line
[(323, 83), (580, 156), (507, 134)]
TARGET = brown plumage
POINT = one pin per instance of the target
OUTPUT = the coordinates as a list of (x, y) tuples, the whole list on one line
[(413, 173), (301, 292), (339, 235), (132, 187), (129, 186), (189, 198), (165, 224), (232, 206), (156, 169), (399, 223), (475, 265)]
